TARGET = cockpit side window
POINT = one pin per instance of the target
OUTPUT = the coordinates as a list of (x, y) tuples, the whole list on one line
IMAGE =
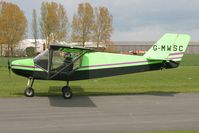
[(58, 60), (65, 61)]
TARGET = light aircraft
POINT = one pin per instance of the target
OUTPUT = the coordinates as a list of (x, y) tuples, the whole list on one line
[(65, 63)]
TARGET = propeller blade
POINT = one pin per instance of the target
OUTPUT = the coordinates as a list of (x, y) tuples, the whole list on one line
[(9, 68)]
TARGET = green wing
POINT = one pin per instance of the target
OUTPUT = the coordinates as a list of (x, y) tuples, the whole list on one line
[(69, 49)]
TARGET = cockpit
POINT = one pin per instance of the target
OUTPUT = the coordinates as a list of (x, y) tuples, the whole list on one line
[(60, 59)]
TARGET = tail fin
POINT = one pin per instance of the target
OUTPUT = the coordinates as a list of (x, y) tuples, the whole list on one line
[(169, 47)]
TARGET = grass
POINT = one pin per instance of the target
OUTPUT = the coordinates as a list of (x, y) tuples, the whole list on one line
[(190, 60), (183, 79)]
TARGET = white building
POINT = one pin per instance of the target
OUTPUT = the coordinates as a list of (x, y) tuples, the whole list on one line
[(39, 46), (20, 50)]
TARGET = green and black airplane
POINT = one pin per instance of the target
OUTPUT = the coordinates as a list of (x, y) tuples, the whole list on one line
[(61, 62)]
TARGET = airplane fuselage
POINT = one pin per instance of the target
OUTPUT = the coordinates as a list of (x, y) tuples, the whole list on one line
[(95, 65)]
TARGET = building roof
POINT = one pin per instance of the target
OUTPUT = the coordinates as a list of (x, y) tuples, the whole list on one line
[(143, 43)]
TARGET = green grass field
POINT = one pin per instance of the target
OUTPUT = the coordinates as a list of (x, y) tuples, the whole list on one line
[(183, 79)]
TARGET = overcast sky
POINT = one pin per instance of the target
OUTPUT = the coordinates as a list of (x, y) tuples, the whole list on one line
[(136, 20)]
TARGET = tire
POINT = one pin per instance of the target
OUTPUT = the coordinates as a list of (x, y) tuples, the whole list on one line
[(29, 92), (66, 88), (66, 92)]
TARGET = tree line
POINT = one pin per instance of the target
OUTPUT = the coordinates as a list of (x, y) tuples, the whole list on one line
[(88, 24)]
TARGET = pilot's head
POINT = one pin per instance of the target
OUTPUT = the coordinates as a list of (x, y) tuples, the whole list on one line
[(67, 55)]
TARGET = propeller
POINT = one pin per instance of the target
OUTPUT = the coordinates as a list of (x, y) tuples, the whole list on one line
[(9, 67)]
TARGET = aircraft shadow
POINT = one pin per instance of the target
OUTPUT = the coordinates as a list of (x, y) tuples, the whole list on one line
[(55, 97), (76, 101), (85, 101)]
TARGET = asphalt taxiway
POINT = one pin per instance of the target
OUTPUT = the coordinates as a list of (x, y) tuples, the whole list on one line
[(100, 114)]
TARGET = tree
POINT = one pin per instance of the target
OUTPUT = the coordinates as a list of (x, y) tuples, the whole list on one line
[(30, 51), (1, 46), (1, 39), (53, 23), (13, 25), (82, 25), (34, 27), (103, 26)]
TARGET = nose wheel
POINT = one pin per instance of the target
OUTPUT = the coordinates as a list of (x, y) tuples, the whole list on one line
[(29, 91)]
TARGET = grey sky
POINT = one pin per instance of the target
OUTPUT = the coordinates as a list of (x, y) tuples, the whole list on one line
[(135, 20)]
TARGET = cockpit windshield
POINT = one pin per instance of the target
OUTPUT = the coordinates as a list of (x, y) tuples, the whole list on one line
[(41, 60)]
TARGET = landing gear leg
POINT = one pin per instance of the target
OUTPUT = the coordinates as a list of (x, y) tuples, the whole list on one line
[(66, 91), (29, 91)]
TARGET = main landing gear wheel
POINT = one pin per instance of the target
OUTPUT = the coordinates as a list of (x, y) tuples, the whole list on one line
[(29, 92), (66, 92)]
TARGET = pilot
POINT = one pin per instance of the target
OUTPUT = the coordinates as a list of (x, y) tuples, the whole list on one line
[(68, 60)]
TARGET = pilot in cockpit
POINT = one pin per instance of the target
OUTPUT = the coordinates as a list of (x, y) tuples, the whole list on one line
[(68, 60)]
